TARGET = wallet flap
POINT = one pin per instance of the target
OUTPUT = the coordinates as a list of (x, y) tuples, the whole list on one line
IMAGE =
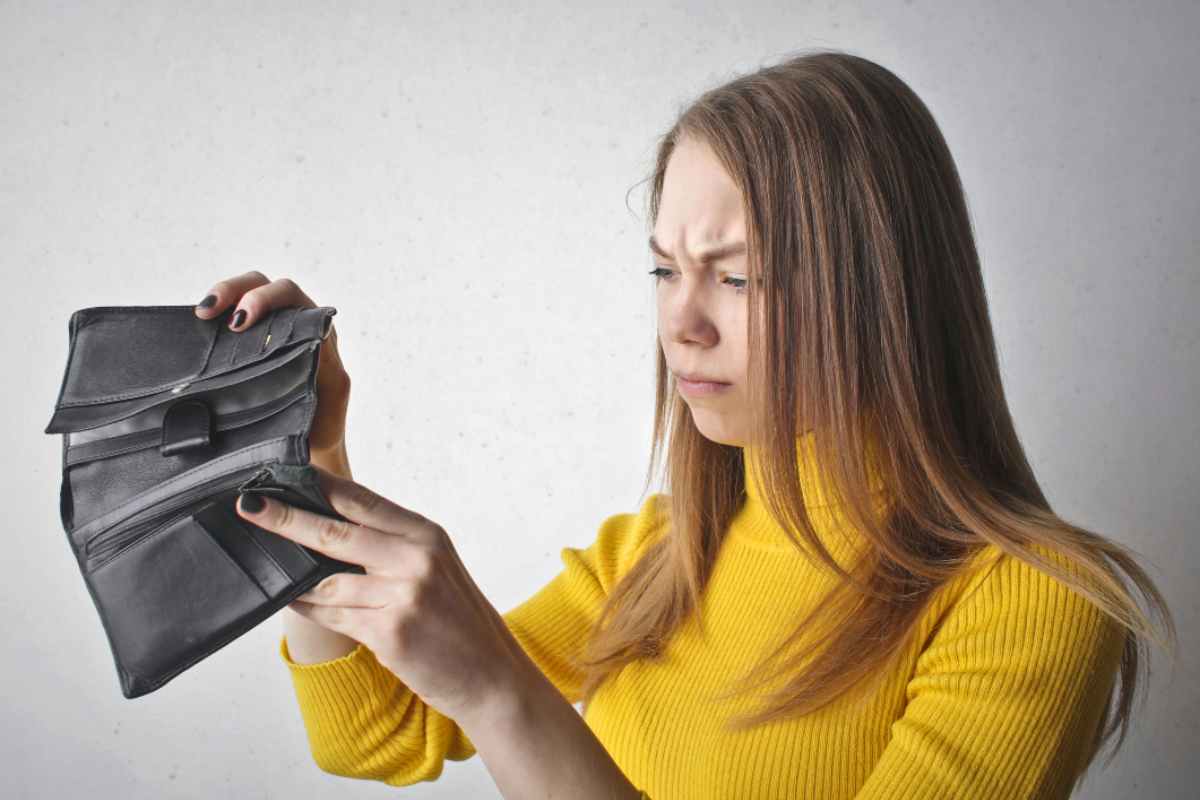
[(124, 351), (125, 359)]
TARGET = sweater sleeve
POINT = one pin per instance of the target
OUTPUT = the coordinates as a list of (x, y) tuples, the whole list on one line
[(1007, 695), (363, 722)]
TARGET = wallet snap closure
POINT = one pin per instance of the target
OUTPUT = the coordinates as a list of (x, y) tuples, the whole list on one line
[(186, 424)]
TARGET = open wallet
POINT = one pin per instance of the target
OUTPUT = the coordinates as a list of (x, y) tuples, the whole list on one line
[(165, 418)]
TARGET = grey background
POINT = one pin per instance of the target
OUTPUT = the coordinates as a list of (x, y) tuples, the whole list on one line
[(453, 179)]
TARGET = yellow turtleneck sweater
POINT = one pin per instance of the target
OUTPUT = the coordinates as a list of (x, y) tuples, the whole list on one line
[(999, 700)]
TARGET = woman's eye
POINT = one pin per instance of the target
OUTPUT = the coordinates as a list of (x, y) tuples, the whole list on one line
[(739, 284)]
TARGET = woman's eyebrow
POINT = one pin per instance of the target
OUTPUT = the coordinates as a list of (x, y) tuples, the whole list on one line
[(714, 253)]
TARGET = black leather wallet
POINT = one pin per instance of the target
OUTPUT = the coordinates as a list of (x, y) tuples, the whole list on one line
[(164, 418)]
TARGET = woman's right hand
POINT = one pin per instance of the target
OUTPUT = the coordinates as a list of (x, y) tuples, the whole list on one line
[(257, 295)]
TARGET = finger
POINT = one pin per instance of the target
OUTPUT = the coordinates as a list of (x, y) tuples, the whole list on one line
[(260, 300), (352, 622), (352, 591), (228, 292), (367, 507), (345, 541)]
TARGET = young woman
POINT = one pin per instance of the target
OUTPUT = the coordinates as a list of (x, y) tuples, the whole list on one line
[(855, 587)]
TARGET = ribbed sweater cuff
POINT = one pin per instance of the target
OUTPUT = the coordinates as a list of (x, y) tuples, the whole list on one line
[(342, 684)]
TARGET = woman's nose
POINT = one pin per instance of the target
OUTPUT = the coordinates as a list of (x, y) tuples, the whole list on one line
[(686, 318)]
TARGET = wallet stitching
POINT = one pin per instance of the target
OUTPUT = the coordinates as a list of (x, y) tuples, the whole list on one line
[(237, 340), (78, 322), (139, 445), (291, 325), (154, 309), (212, 346), (306, 427)]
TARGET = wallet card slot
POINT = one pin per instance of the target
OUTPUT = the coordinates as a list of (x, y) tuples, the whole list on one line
[(233, 349), (104, 548), (233, 534), (170, 602), (293, 559)]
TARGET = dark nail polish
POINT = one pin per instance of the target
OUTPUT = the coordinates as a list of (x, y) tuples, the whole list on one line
[(251, 502), (208, 302), (238, 318)]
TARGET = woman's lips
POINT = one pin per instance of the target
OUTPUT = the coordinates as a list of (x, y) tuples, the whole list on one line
[(700, 388)]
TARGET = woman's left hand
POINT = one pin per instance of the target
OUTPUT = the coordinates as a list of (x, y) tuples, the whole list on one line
[(416, 608)]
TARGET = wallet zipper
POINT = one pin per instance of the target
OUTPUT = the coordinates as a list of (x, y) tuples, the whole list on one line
[(106, 546), (256, 480)]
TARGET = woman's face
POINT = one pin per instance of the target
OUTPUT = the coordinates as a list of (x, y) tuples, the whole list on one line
[(699, 247)]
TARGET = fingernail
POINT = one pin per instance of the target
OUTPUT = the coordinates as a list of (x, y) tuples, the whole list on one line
[(208, 302), (238, 318), (251, 503)]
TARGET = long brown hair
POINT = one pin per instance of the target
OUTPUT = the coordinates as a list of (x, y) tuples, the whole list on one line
[(873, 340)]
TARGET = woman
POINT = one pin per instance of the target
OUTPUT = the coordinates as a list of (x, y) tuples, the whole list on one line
[(855, 588)]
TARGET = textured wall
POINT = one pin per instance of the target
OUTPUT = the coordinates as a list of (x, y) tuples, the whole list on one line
[(452, 177)]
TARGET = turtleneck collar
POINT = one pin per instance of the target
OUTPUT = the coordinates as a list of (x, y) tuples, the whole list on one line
[(754, 522)]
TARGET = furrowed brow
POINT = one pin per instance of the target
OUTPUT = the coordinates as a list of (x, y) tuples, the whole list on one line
[(707, 256)]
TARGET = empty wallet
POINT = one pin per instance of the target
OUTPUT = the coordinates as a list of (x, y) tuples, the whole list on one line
[(165, 418)]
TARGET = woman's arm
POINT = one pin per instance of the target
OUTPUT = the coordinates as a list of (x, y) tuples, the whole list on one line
[(1007, 695), (364, 722), (536, 745)]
